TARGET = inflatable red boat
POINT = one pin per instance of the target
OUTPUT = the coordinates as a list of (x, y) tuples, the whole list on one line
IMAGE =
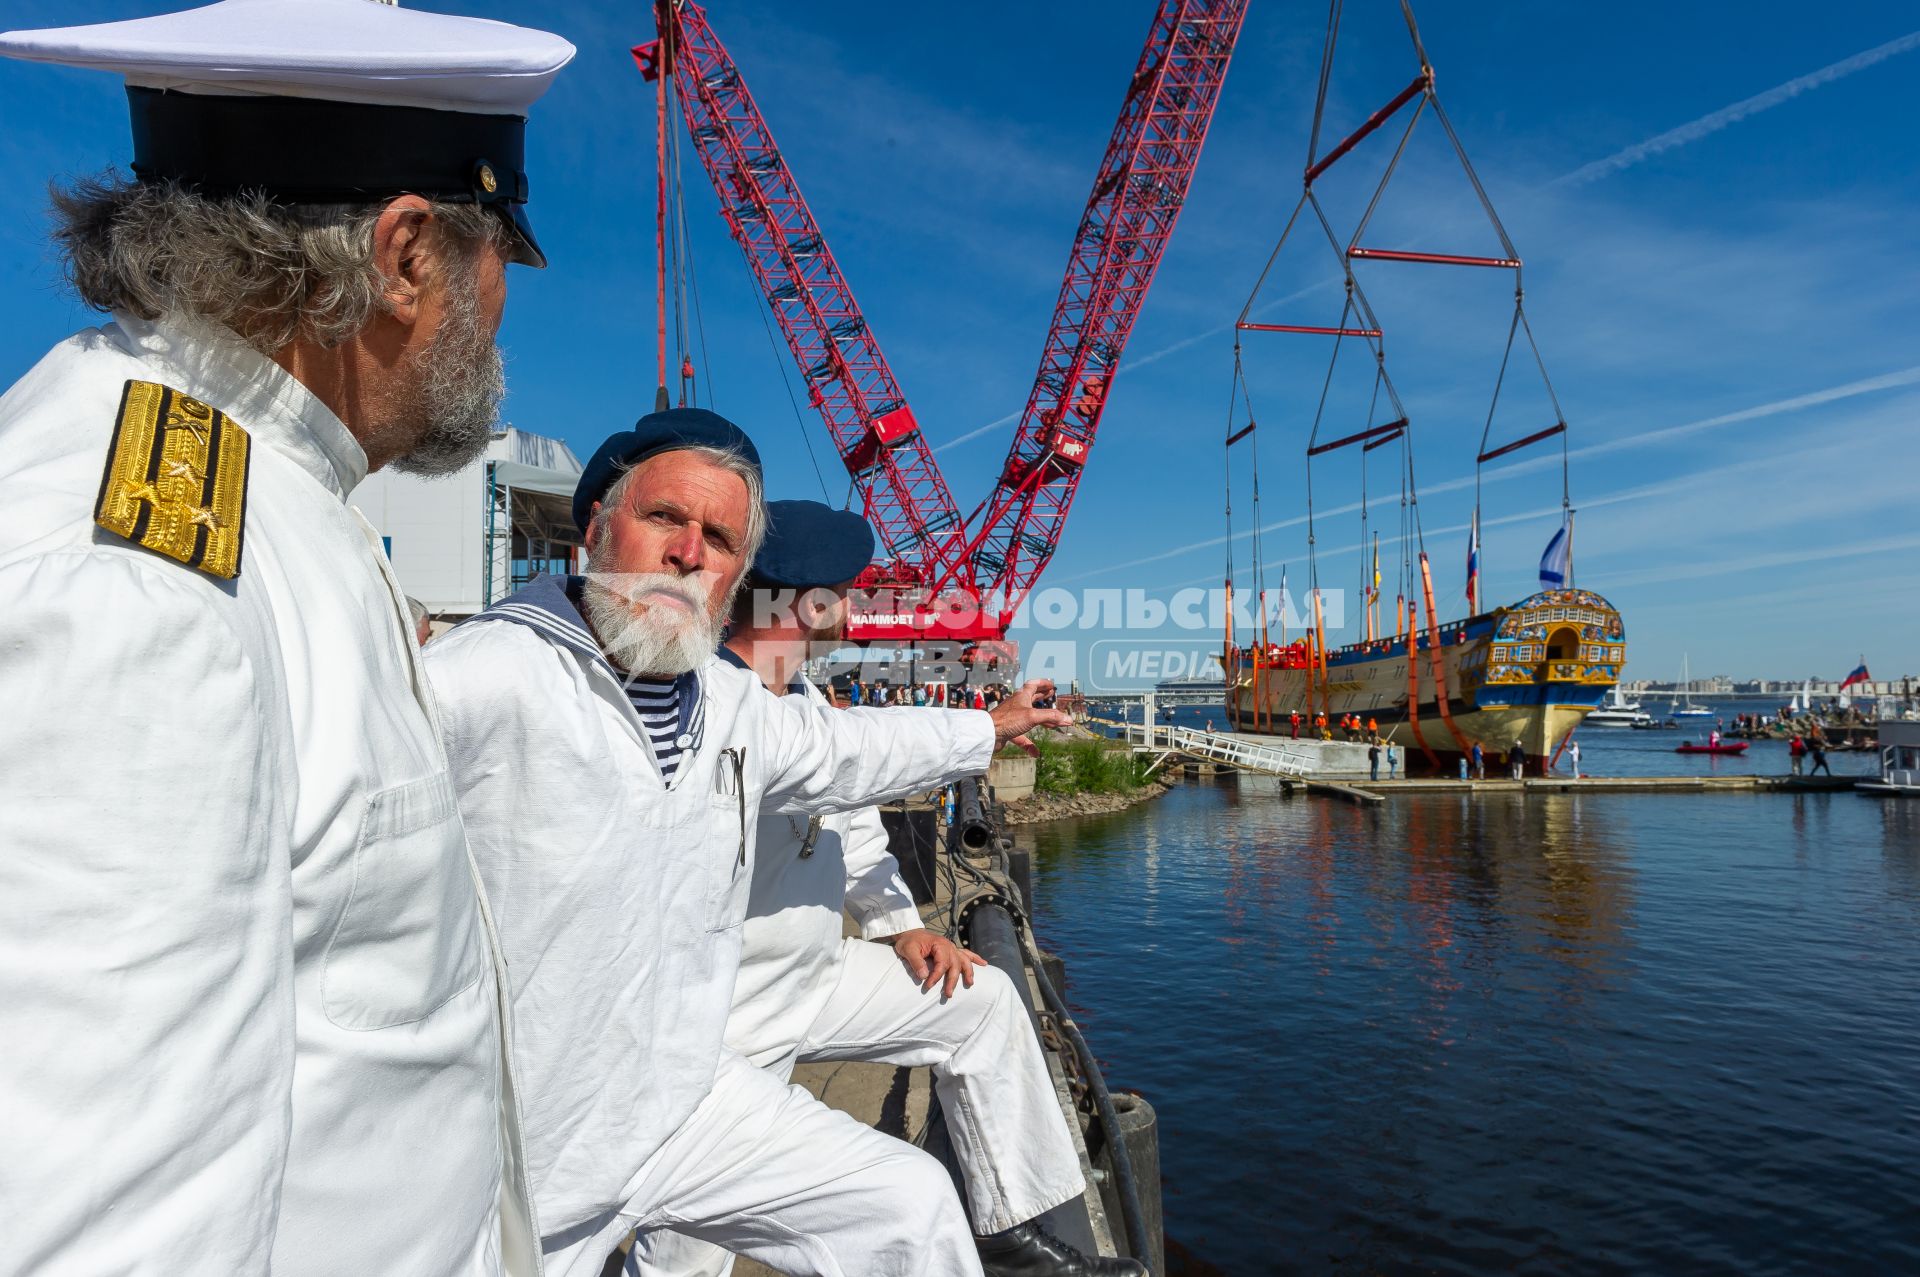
[(1724, 747)]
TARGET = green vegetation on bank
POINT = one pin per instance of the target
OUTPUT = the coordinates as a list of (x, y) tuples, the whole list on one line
[(1089, 767)]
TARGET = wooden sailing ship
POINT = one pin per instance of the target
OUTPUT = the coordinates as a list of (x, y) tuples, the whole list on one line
[(1524, 674)]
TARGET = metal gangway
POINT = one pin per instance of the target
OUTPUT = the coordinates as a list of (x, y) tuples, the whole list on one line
[(1268, 758), (1229, 751)]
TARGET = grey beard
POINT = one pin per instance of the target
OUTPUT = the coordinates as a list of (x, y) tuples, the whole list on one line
[(460, 381), (644, 640)]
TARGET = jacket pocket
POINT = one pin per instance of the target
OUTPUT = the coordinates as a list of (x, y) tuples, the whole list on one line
[(409, 938), (729, 865)]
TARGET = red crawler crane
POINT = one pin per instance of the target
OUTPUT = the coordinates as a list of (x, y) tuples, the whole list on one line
[(962, 581), (847, 378)]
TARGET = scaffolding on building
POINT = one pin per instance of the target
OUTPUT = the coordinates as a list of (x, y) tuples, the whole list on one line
[(529, 532)]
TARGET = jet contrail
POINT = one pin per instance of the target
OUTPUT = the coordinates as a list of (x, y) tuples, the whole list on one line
[(1832, 394), (1690, 132), (1865, 386), (975, 433), (1726, 115)]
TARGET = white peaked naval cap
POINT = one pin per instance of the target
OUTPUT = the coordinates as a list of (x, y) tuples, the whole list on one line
[(319, 101)]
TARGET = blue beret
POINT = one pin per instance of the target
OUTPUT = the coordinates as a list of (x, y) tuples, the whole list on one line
[(657, 432), (810, 544)]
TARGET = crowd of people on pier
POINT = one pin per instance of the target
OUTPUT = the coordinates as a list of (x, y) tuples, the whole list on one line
[(332, 953), (881, 693), (1354, 728)]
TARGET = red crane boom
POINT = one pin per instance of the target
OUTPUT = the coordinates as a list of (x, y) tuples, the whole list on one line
[(1137, 196), (847, 378), (969, 586)]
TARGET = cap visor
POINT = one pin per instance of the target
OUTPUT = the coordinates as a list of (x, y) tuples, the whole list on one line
[(526, 249)]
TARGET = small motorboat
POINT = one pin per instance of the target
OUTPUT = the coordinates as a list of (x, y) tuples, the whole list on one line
[(1899, 761), (1724, 747)]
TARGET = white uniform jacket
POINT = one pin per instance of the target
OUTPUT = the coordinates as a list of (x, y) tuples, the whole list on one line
[(247, 986), (805, 871), (620, 898)]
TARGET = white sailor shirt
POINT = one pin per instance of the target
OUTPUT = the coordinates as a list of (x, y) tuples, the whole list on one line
[(247, 984)]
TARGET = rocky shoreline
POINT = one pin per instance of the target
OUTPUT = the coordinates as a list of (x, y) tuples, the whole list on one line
[(1038, 808)]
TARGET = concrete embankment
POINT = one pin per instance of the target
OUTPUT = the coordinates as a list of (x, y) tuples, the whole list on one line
[(1035, 808)]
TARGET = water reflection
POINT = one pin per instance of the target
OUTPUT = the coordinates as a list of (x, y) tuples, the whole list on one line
[(1900, 847), (1589, 1032)]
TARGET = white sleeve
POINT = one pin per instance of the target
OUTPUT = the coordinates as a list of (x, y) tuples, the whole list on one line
[(877, 896), (146, 982), (823, 760)]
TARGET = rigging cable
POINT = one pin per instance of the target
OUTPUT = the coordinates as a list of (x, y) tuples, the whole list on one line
[(1326, 72), (780, 361)]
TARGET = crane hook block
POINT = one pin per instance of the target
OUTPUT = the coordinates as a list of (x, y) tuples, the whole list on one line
[(887, 431)]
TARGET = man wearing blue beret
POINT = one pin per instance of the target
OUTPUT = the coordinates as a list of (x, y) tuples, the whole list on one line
[(898, 994), (612, 772)]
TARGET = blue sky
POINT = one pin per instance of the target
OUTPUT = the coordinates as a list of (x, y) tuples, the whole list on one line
[(1730, 315)]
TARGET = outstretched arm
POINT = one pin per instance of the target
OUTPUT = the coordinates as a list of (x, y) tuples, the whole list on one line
[(824, 760)]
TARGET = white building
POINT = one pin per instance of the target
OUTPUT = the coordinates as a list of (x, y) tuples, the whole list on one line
[(468, 539)]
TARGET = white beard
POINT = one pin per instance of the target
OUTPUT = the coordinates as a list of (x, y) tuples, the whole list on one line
[(651, 637)]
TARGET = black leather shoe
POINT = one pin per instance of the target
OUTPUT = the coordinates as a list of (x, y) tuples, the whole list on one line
[(1028, 1250)]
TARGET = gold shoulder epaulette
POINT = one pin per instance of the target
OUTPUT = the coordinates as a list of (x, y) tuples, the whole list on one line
[(177, 480)]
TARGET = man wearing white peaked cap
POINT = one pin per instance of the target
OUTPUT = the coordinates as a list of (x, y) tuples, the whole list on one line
[(250, 990)]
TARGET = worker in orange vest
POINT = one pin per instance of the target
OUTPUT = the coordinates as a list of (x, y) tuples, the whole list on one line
[(1373, 727), (1296, 724)]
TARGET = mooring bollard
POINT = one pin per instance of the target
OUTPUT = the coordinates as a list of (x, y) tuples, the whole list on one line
[(1020, 869), (1140, 1128)]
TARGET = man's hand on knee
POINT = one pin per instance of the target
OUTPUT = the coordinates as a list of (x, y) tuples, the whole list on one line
[(932, 959)]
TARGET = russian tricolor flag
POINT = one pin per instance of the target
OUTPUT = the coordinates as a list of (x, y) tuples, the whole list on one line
[(1859, 675), (1473, 567)]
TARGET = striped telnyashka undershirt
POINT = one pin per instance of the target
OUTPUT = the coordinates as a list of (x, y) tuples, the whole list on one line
[(657, 702)]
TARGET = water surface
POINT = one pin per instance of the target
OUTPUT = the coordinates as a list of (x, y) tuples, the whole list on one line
[(1587, 1033)]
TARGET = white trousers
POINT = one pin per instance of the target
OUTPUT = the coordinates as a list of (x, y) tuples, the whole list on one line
[(765, 1169), (1011, 1139)]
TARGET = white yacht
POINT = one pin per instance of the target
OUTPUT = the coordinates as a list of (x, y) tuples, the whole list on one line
[(1686, 708), (1615, 710)]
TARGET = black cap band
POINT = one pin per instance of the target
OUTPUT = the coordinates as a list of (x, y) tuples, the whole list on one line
[(314, 151)]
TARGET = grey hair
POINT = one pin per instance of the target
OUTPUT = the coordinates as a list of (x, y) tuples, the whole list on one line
[(734, 463), (271, 272), (417, 608)]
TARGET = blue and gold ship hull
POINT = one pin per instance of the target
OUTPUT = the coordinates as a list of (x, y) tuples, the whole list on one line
[(1525, 674)]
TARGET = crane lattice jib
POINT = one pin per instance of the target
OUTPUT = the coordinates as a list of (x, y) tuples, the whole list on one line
[(847, 379), (1136, 200)]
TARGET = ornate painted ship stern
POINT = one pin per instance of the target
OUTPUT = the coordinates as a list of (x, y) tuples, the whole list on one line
[(1525, 674), (1546, 663)]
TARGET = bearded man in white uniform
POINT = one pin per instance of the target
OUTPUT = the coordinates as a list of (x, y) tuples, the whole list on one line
[(612, 772), (898, 994), (248, 989)]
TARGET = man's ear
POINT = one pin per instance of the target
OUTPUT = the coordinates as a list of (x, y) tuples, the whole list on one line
[(400, 252), (593, 527)]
